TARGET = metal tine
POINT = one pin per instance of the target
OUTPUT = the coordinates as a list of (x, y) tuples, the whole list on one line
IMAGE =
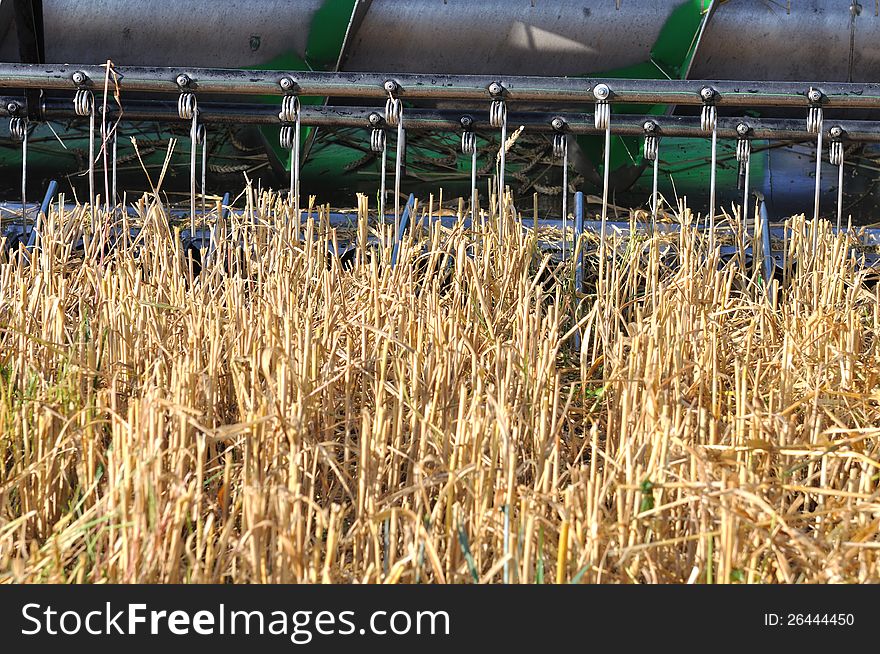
[(560, 150), (398, 161), (815, 121), (498, 119), (603, 121), (203, 138), (296, 164), (743, 157), (113, 174), (712, 178), (709, 123), (469, 146), (835, 155), (652, 149), (84, 105), (18, 129), (194, 140), (379, 145), (290, 113), (187, 109), (394, 117), (92, 158)]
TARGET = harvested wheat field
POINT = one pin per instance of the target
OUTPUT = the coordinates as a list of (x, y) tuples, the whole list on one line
[(274, 414)]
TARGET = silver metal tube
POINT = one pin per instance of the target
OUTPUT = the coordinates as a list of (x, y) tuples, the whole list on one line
[(435, 119), (435, 87)]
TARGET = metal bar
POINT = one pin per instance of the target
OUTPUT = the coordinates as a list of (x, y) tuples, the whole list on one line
[(433, 87), (434, 119)]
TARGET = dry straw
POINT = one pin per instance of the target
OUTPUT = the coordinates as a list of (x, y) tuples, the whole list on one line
[(272, 415)]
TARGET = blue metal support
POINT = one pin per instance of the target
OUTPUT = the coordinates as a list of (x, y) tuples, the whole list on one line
[(44, 211), (766, 252), (578, 246), (404, 223)]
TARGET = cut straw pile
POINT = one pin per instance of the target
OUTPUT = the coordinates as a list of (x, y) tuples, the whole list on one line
[(463, 416)]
